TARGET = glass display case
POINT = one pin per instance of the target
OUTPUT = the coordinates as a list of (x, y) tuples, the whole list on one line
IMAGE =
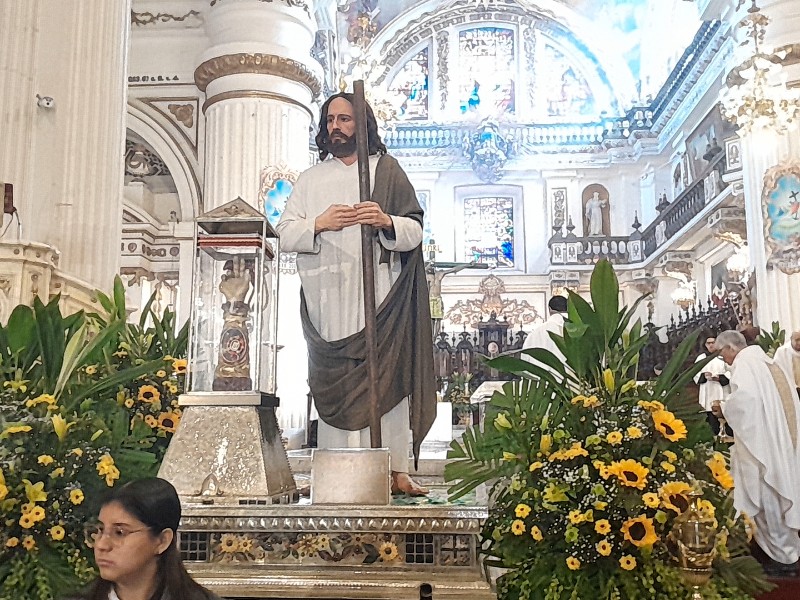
[(233, 341)]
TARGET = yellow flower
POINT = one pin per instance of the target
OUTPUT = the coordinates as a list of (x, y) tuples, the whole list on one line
[(536, 533), (627, 562), (35, 491), (44, 460), (26, 521), (57, 533), (149, 394), (16, 429), (107, 469), (598, 505), (151, 421), (578, 399), (640, 531), (555, 493), (535, 465), (59, 472), (517, 527), (12, 542), (128, 403), (27, 507), (706, 506), (42, 399), (77, 452), (651, 500), (671, 456), (614, 438), (675, 496), (388, 551), (628, 386), (3, 491), (172, 388), (573, 563), (37, 514), (501, 422), (60, 426), (28, 543), (719, 470), (591, 402), (76, 496), (668, 466), (91, 369), (603, 547), (575, 517), (161, 373), (522, 510), (634, 433), (602, 527), (545, 444), (651, 406), (573, 451), (608, 380), (17, 385), (630, 473), (168, 421), (671, 428), (509, 456), (179, 366)]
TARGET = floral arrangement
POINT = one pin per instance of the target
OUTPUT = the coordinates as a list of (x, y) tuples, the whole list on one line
[(86, 402), (595, 467)]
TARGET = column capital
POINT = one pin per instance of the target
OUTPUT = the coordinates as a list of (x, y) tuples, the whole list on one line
[(258, 64)]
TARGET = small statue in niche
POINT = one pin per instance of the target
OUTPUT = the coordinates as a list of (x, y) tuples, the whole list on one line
[(663, 202), (594, 215), (233, 361)]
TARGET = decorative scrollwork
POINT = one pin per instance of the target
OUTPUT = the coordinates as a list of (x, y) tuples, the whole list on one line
[(148, 18)]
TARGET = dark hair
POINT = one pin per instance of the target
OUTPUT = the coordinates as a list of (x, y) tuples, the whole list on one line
[(155, 503), (558, 304), (376, 146)]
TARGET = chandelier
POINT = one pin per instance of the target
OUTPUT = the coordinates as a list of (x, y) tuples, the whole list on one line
[(757, 95), (738, 265), (683, 295)]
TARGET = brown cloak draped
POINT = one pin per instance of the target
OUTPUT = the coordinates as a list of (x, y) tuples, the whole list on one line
[(338, 369)]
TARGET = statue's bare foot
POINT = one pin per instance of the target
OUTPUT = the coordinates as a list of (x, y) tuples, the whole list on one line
[(403, 484)]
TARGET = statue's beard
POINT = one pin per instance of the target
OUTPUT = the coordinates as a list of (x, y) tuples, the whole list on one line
[(340, 144)]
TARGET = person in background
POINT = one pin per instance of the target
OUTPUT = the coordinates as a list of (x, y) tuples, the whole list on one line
[(788, 356), (713, 382), (135, 546)]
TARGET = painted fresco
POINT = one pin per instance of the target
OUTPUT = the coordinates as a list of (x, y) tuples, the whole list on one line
[(781, 206)]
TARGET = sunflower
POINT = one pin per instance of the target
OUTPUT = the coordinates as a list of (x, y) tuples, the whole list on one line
[(674, 495), (517, 527), (630, 473), (28, 543), (719, 470), (179, 366), (603, 547), (229, 543), (602, 527), (522, 511), (640, 531), (168, 421), (627, 562), (670, 427), (573, 563), (149, 394), (651, 500), (536, 534), (614, 438), (651, 406), (388, 551)]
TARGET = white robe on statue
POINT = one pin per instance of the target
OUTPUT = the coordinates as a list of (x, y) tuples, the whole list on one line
[(329, 265), (711, 391), (764, 411), (787, 358)]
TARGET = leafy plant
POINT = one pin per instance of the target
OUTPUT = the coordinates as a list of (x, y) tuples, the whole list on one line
[(770, 341), (86, 401), (592, 467)]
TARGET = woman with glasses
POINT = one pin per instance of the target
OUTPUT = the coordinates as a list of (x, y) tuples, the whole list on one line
[(135, 546)]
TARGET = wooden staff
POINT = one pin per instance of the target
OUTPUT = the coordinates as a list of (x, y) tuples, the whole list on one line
[(367, 263)]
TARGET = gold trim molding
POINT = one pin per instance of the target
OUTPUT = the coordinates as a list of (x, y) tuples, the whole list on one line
[(262, 64), (254, 94)]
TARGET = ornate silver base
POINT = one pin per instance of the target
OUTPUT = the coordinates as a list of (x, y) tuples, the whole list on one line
[(343, 552)]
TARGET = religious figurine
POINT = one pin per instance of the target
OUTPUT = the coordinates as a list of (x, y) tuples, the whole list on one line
[(434, 277), (233, 362), (594, 214)]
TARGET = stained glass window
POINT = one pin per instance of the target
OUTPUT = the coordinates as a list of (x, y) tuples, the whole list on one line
[(409, 88), (423, 197), (487, 70), (489, 230), (563, 90)]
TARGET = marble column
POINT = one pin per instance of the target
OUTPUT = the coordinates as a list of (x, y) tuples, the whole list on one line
[(260, 83), (776, 292), (63, 154)]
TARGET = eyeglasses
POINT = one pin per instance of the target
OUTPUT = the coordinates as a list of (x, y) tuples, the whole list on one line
[(117, 534)]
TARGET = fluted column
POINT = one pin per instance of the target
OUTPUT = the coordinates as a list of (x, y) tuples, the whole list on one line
[(260, 81), (65, 159)]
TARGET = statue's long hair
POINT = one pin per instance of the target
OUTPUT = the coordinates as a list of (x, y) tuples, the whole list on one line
[(376, 146)]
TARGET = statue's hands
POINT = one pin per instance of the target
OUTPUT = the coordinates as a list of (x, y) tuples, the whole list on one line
[(236, 282), (335, 218), (370, 213)]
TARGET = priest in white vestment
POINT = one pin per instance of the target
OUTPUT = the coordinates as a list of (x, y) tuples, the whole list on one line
[(713, 383), (764, 411), (322, 224), (539, 337), (788, 356)]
